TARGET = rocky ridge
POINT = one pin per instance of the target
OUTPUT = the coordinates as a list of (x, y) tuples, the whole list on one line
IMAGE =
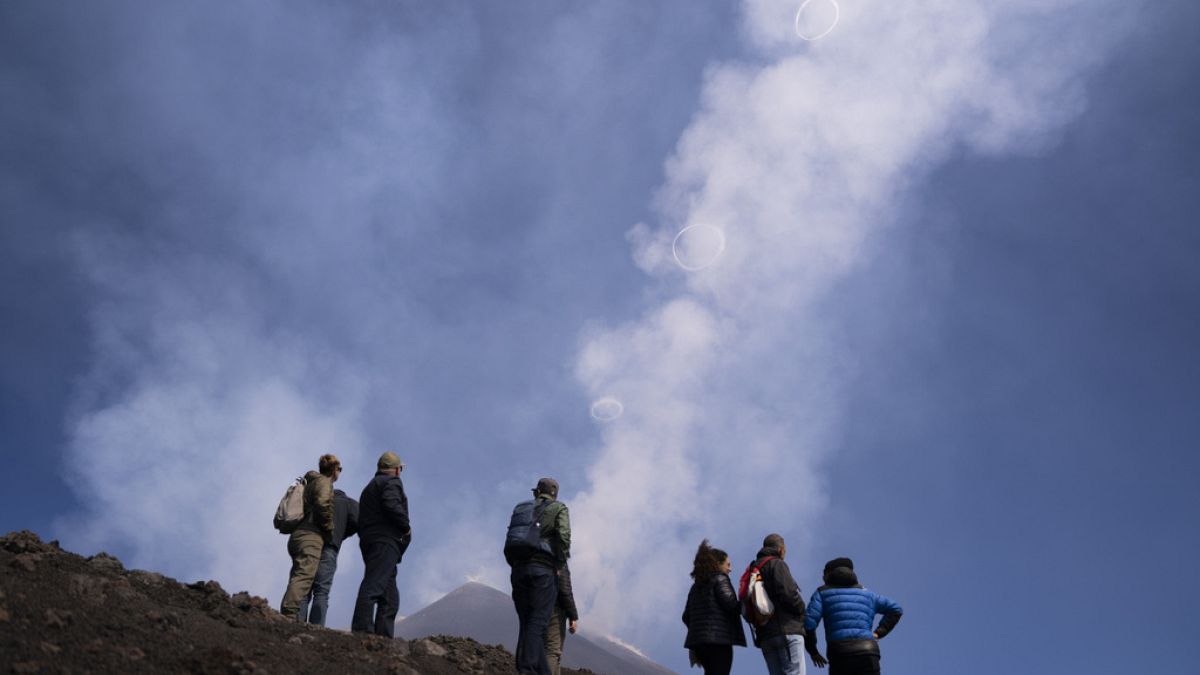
[(63, 613)]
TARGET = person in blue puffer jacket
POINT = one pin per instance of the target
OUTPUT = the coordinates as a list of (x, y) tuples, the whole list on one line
[(849, 612)]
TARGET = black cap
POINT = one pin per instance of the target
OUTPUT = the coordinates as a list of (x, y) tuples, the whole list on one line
[(838, 562), (547, 486)]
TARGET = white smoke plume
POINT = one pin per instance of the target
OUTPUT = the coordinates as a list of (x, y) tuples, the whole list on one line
[(730, 382), (269, 318)]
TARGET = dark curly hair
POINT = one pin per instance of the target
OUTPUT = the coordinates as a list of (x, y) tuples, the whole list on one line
[(708, 561)]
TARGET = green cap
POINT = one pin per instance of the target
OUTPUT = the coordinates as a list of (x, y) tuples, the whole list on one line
[(389, 460)]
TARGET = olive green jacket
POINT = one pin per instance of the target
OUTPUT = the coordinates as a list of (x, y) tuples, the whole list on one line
[(318, 505), (556, 526)]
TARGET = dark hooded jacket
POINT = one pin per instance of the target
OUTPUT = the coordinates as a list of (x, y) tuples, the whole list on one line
[(383, 512), (788, 618), (712, 615), (849, 612)]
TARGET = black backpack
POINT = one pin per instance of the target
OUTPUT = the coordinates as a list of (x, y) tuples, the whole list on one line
[(525, 532)]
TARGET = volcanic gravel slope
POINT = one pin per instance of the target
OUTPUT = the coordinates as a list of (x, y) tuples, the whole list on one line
[(63, 613)]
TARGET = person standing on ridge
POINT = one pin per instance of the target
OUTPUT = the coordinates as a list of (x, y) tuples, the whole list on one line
[(565, 618), (537, 546), (713, 622), (345, 524), (384, 534), (849, 611), (307, 540), (781, 638)]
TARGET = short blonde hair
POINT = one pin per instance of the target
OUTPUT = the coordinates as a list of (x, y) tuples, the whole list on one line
[(328, 464)]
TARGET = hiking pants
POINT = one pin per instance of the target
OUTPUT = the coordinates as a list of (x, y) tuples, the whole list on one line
[(305, 548), (534, 591), (322, 584), (784, 654), (556, 632), (715, 659), (378, 598), (854, 664)]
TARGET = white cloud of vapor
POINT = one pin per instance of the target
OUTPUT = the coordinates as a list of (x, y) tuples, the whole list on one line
[(247, 307), (294, 275), (298, 238), (730, 384)]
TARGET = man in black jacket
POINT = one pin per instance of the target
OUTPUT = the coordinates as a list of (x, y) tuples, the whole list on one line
[(345, 524), (384, 534), (782, 637)]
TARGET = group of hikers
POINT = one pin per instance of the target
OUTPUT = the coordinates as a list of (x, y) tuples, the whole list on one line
[(318, 518), (321, 518), (769, 599)]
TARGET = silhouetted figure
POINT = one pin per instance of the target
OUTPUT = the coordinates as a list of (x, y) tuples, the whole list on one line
[(384, 534), (538, 543), (712, 613), (310, 536), (565, 618), (345, 524), (849, 611), (781, 638)]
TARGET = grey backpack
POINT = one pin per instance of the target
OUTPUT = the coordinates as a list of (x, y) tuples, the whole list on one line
[(290, 511)]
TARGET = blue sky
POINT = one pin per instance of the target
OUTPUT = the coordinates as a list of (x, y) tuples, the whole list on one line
[(951, 333)]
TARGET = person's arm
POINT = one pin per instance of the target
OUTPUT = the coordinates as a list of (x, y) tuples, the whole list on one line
[(687, 609), (395, 504), (812, 615), (782, 587), (726, 597), (891, 612), (351, 518), (323, 499), (566, 597), (812, 619), (562, 525)]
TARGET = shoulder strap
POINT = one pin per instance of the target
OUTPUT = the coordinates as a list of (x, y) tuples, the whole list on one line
[(539, 510)]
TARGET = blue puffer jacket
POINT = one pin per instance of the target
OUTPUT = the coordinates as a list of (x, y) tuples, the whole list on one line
[(849, 611)]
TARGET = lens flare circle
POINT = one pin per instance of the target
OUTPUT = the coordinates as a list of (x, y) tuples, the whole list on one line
[(606, 409), (837, 16), (698, 246)]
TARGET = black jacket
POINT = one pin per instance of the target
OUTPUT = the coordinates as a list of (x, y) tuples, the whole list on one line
[(345, 518), (566, 598), (712, 615), (785, 594), (383, 512)]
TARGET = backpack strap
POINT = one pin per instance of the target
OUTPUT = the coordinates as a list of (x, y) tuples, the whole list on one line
[(751, 569), (539, 511)]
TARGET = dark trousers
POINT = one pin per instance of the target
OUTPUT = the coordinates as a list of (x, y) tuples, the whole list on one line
[(715, 659), (378, 598), (534, 590), (854, 664)]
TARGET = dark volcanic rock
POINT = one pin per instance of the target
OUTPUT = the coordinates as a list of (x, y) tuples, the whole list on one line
[(62, 613)]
